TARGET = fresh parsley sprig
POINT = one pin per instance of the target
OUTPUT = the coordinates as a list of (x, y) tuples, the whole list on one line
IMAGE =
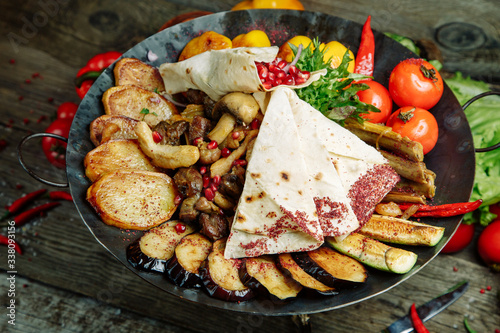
[(334, 94)]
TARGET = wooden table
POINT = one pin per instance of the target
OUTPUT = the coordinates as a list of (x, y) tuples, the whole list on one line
[(67, 282)]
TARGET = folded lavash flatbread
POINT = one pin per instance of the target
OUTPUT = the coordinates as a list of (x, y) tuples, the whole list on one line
[(276, 212), (365, 174), (219, 72)]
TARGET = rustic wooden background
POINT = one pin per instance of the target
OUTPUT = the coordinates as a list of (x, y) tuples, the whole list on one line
[(67, 282)]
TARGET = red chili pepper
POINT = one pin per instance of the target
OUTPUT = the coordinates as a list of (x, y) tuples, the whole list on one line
[(365, 56), (17, 205), (91, 71), (445, 210), (417, 323), (10, 242), (33, 212), (60, 195)]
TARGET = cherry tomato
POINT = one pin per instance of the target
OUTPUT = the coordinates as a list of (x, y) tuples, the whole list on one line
[(67, 110), (488, 245), (415, 82), (417, 124), (460, 239), (54, 149), (378, 96)]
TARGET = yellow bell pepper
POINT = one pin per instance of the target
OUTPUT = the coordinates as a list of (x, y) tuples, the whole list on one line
[(335, 52), (254, 38), (275, 4), (209, 40), (286, 52)]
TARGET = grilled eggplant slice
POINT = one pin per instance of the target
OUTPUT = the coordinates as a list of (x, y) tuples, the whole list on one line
[(374, 253), (114, 155), (156, 247), (133, 199), (331, 268), (190, 253), (286, 263), (399, 231), (262, 271), (220, 276)]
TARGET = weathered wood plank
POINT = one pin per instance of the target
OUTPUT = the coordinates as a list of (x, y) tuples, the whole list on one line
[(72, 279)]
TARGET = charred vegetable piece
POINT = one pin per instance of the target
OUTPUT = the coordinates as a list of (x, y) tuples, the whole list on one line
[(331, 268), (190, 253), (263, 272), (140, 261), (375, 254), (399, 231), (287, 264), (220, 276)]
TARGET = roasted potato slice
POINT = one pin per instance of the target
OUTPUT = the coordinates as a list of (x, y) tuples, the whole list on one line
[(138, 104), (134, 72), (108, 127), (115, 155), (133, 199)]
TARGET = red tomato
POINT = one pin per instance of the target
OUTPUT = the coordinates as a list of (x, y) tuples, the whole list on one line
[(67, 110), (54, 149), (495, 209), (417, 124), (378, 96), (488, 245), (460, 239), (415, 82)]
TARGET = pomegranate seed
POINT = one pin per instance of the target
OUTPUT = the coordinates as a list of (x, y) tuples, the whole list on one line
[(209, 194), (235, 135), (35, 75), (179, 227), (27, 81), (197, 141), (213, 188), (280, 75), (282, 64), (26, 121), (225, 152), (203, 170), (255, 124), (273, 68), (221, 211), (293, 70), (272, 76), (482, 291), (267, 85), (178, 199), (304, 74), (206, 180), (212, 144), (12, 61), (455, 269), (488, 288), (216, 180), (289, 80), (240, 162), (277, 82), (157, 137), (263, 71)]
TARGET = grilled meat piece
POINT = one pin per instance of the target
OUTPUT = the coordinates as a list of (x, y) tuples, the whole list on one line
[(171, 133), (214, 226), (189, 181), (199, 128)]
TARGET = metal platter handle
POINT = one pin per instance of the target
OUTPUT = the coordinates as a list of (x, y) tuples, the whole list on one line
[(30, 171), (472, 100)]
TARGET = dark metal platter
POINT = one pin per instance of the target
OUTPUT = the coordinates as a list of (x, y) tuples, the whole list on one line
[(452, 159)]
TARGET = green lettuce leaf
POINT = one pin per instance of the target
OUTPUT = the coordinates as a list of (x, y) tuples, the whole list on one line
[(484, 119)]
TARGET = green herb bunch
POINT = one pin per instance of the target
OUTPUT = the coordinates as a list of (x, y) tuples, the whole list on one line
[(334, 94)]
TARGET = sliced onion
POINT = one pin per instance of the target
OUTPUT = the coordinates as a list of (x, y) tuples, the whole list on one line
[(410, 211), (171, 99), (152, 56), (387, 130), (294, 61)]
